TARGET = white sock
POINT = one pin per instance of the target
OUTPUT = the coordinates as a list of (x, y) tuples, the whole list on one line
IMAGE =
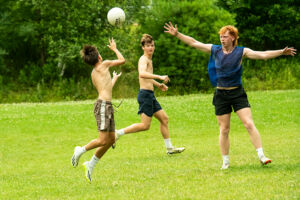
[(80, 151), (260, 152), (168, 143), (94, 160), (120, 132), (225, 159)]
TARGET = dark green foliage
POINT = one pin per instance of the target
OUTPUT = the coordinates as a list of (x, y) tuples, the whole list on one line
[(40, 42), (50, 34), (267, 24), (186, 66)]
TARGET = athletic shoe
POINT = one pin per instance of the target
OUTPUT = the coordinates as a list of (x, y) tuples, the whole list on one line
[(225, 166), (264, 160), (174, 150), (117, 136), (87, 171), (76, 156)]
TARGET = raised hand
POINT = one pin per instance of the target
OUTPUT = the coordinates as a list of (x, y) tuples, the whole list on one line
[(169, 28), (115, 75), (289, 51), (112, 44)]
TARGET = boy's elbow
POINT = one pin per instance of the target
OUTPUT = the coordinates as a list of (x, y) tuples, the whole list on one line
[(123, 61), (141, 75)]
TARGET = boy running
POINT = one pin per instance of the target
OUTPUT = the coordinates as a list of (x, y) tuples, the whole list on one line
[(148, 105)]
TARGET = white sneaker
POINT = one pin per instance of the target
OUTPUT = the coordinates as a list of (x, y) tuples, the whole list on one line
[(174, 150), (117, 136), (76, 156), (87, 171), (264, 160), (225, 166)]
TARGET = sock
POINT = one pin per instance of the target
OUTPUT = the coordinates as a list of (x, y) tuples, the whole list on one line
[(80, 151), (94, 160), (120, 132), (225, 159), (168, 143), (260, 152)]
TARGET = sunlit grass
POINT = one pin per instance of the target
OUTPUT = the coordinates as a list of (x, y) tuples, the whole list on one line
[(37, 142)]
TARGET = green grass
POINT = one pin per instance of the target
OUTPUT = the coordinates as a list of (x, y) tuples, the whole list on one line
[(37, 142)]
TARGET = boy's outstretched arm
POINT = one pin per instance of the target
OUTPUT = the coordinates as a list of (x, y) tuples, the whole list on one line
[(173, 30), (264, 55)]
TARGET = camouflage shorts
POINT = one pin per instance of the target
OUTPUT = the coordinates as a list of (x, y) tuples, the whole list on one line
[(104, 114)]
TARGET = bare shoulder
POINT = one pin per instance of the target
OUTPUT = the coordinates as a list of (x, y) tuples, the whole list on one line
[(104, 65), (143, 61)]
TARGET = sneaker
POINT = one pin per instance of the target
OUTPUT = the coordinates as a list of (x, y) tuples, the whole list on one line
[(76, 156), (117, 136), (225, 166), (87, 171), (264, 160), (174, 150)]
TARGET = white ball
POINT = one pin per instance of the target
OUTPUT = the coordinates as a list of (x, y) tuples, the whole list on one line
[(116, 16)]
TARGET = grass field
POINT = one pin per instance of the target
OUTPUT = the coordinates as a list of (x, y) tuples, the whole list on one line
[(37, 142)]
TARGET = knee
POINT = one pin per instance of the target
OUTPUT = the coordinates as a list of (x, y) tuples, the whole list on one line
[(224, 131), (107, 141), (145, 127), (249, 125), (165, 120), (100, 143)]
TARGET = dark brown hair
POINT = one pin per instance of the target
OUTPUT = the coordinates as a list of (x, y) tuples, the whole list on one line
[(89, 54)]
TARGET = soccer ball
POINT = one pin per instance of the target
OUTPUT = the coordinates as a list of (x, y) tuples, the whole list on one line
[(116, 16)]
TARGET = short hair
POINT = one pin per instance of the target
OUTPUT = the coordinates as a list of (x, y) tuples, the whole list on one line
[(89, 54), (146, 39), (232, 31)]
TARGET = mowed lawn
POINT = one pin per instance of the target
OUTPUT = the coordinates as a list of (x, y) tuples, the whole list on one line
[(37, 142)]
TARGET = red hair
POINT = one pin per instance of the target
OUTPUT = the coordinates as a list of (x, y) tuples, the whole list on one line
[(232, 31)]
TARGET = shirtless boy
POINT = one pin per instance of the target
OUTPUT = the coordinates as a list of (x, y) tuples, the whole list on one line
[(103, 109), (148, 105)]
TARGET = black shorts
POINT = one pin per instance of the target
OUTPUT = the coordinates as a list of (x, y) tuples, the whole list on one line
[(147, 102), (225, 100)]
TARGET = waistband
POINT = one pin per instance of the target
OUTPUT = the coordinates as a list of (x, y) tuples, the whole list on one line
[(144, 90), (229, 88), (102, 101)]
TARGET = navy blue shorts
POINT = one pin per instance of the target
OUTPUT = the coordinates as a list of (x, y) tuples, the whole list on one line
[(147, 102)]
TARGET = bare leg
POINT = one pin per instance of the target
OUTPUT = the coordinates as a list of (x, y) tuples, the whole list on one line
[(224, 124), (108, 141), (143, 126), (246, 118), (103, 140), (164, 120)]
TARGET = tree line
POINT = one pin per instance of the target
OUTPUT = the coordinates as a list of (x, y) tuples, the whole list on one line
[(40, 42)]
